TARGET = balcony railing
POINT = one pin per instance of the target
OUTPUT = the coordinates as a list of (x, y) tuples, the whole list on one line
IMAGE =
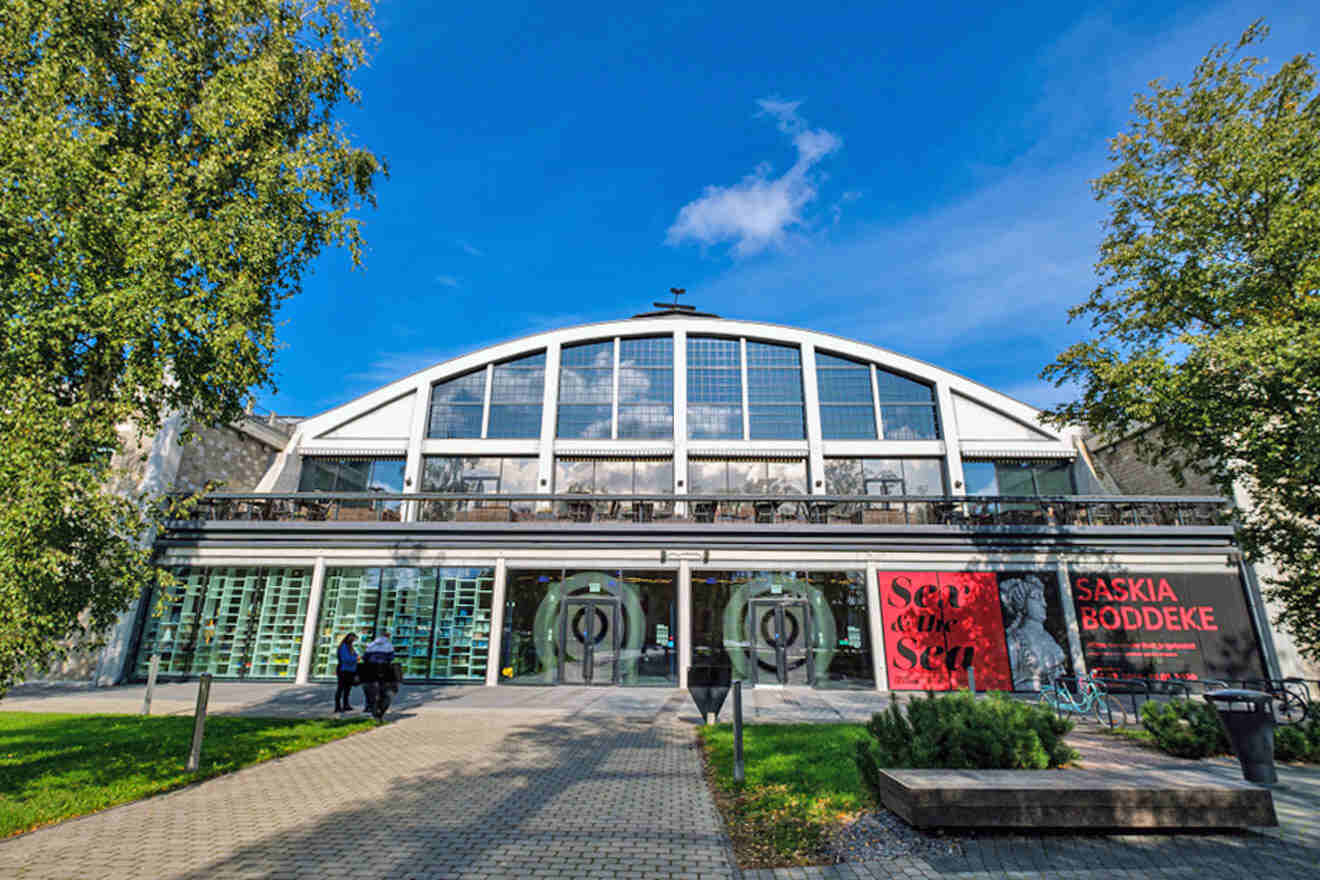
[(842, 510)]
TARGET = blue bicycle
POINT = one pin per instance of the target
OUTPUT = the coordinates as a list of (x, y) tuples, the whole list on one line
[(1089, 698)]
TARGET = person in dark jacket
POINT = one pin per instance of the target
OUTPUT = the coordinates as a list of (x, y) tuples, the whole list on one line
[(347, 672), (377, 673)]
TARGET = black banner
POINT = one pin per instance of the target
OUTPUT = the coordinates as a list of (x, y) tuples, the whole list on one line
[(1175, 626)]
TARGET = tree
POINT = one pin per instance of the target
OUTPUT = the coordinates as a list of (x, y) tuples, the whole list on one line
[(168, 168), (1206, 318)]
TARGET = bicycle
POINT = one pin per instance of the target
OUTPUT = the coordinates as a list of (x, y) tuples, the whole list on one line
[(1091, 698)]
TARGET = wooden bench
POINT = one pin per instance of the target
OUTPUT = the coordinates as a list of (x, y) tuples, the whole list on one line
[(1137, 798)]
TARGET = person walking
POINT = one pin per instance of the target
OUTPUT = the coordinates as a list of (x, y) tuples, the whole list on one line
[(347, 672), (377, 673)]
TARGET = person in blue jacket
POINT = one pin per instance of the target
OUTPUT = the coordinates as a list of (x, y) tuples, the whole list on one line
[(348, 664)]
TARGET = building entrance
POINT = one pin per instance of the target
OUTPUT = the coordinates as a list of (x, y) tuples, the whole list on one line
[(781, 636), (589, 641)]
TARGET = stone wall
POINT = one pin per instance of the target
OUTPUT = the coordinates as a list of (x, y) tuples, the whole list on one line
[(226, 456), (1131, 475)]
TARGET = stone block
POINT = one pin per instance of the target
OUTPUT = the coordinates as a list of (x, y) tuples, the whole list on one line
[(1075, 799)]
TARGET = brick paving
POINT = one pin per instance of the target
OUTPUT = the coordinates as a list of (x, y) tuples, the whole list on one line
[(567, 782)]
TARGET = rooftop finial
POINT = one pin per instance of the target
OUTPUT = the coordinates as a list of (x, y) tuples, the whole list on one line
[(675, 307)]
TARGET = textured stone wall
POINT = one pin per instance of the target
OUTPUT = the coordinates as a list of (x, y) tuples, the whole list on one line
[(1131, 475), (225, 455), (234, 459)]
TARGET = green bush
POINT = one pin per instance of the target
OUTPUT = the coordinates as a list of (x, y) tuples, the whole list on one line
[(1298, 742), (957, 732), (1185, 728)]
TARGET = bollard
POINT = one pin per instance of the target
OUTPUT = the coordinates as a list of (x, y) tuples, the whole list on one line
[(151, 684), (199, 723), (737, 732), (971, 680)]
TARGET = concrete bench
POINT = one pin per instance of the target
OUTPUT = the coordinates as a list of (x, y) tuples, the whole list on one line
[(1075, 799)]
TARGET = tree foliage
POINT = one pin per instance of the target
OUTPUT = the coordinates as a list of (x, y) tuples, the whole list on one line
[(168, 168), (1206, 318)]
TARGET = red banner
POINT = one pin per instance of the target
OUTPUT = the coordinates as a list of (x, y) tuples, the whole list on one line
[(937, 625)]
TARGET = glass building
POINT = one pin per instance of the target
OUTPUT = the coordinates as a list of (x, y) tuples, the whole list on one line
[(613, 503)]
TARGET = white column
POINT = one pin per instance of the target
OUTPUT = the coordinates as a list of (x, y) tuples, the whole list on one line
[(496, 625), (545, 471), (614, 393), (877, 628), (684, 620), (309, 624), (412, 471), (680, 413), (948, 423), (811, 400), (746, 413), (1070, 619)]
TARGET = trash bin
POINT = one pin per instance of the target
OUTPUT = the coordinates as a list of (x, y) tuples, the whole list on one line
[(709, 686), (1247, 718)]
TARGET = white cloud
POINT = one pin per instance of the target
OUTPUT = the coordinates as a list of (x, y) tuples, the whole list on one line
[(470, 250), (446, 280), (758, 211)]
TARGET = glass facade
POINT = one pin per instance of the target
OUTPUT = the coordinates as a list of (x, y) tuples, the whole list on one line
[(629, 619), (614, 476), (907, 407), (516, 391), (847, 406), (586, 391), (646, 388), (438, 618), (486, 475), (774, 392), (884, 476), (714, 389), (1030, 478), (356, 475), (825, 639), (456, 406), (230, 622), (747, 476)]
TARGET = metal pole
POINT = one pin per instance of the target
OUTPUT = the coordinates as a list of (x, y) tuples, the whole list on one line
[(971, 679), (737, 732), (199, 723), (151, 684)]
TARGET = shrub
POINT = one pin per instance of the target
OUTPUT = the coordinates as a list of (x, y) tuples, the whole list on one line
[(1298, 742), (956, 732), (1185, 728)]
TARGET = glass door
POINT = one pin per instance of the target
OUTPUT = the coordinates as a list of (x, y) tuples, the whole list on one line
[(589, 642), (781, 642)]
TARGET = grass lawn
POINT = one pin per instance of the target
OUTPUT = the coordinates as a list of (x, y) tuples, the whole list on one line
[(54, 767), (801, 782)]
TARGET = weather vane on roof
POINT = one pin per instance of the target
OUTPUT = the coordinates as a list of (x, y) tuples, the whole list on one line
[(675, 305)]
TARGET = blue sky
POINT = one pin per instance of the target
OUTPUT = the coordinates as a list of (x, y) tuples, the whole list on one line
[(915, 176)]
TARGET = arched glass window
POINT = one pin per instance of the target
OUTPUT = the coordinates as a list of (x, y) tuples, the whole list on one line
[(774, 392), (516, 391), (456, 406), (907, 408), (847, 407), (586, 390)]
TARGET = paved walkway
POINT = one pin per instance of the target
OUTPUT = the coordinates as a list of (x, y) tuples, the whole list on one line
[(535, 782)]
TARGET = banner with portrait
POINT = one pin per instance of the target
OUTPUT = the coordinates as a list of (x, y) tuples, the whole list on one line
[(1166, 625)]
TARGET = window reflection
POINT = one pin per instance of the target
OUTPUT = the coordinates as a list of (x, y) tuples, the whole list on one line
[(517, 388), (1019, 477), (746, 476), (847, 409)]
